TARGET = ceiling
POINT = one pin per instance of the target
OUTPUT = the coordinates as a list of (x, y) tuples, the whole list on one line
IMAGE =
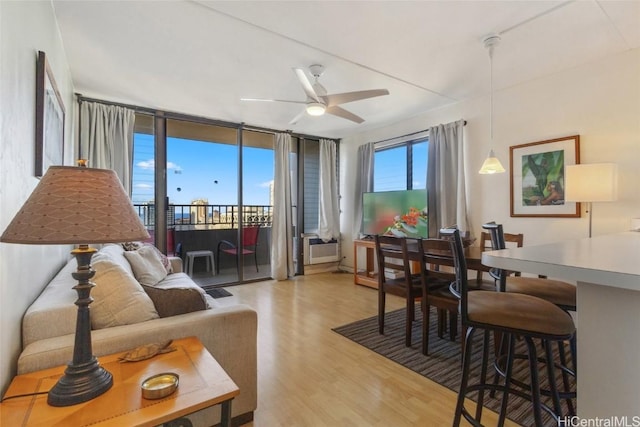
[(202, 57)]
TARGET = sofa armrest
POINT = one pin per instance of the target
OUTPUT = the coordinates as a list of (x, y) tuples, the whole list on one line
[(229, 333), (176, 264)]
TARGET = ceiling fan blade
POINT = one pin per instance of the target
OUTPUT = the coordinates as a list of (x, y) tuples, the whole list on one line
[(341, 112), (272, 100), (306, 85), (298, 117), (343, 98)]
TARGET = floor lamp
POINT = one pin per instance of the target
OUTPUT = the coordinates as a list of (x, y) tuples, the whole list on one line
[(78, 205), (596, 182)]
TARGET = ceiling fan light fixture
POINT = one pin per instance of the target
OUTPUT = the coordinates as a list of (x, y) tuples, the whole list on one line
[(316, 109), (491, 165)]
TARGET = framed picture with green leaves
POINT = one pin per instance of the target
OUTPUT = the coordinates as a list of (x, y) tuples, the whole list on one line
[(537, 177)]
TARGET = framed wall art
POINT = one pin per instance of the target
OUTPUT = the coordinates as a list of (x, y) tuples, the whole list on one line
[(49, 118), (537, 177)]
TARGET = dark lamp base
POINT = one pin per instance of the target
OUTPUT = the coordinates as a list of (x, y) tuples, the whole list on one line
[(80, 383)]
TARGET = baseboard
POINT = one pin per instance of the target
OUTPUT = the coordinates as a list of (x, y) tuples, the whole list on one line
[(325, 267)]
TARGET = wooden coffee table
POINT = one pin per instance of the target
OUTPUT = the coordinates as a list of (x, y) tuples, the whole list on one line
[(203, 383)]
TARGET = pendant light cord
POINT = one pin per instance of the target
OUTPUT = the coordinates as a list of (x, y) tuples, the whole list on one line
[(491, 95), (490, 42)]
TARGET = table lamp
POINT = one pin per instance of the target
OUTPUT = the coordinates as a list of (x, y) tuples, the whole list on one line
[(78, 205), (596, 182)]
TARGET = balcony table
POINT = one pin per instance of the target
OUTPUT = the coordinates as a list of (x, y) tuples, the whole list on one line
[(607, 272)]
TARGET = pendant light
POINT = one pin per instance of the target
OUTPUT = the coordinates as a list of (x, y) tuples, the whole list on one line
[(491, 165)]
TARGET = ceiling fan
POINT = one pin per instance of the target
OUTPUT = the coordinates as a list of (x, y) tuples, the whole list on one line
[(319, 102)]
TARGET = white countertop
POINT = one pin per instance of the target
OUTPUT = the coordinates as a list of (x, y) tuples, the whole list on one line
[(611, 260)]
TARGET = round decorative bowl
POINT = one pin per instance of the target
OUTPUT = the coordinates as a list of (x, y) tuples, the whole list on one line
[(159, 386)]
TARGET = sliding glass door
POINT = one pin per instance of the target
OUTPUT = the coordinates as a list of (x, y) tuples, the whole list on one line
[(217, 184)]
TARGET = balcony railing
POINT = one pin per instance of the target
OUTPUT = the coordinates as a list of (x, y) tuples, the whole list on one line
[(208, 216), (203, 227)]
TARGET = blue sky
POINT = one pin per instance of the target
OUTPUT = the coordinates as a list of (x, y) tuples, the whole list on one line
[(390, 168), (193, 167)]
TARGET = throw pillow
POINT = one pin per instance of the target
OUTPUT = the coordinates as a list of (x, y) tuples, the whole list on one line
[(118, 297), (177, 294), (146, 265), (134, 246)]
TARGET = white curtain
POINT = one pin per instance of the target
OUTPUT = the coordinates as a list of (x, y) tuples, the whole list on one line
[(106, 138), (329, 211), (446, 178), (363, 184), (281, 230)]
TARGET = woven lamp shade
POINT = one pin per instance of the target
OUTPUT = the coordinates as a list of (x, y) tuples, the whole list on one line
[(76, 205)]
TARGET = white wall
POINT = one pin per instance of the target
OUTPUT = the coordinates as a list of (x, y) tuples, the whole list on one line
[(599, 101), (25, 28)]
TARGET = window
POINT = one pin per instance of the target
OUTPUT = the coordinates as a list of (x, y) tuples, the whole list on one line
[(211, 177), (311, 185), (401, 167)]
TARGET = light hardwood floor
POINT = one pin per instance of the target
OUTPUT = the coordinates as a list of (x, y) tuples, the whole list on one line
[(309, 375)]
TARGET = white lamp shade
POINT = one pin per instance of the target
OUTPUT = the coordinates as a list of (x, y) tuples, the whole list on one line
[(491, 165), (596, 182)]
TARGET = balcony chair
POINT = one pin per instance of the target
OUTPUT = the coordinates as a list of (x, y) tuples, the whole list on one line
[(512, 315), (249, 246)]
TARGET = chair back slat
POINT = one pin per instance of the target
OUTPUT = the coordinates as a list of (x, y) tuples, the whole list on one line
[(498, 242), (460, 267), (433, 254), (392, 254)]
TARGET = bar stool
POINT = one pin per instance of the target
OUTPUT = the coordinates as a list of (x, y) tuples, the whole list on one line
[(192, 255), (560, 293), (512, 315)]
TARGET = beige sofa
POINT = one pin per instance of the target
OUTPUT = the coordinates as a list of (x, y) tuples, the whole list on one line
[(228, 332)]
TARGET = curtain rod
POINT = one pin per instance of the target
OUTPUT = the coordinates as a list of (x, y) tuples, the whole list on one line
[(408, 134), (182, 116)]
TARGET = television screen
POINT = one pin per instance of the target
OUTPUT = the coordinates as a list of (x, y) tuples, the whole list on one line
[(398, 213)]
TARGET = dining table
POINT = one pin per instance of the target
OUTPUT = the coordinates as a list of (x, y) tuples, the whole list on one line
[(472, 256), (606, 270)]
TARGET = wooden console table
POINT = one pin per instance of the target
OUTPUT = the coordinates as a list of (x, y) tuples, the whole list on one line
[(203, 383), (365, 277)]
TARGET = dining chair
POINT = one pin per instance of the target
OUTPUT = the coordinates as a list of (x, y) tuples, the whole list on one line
[(395, 277), (511, 315), (249, 246), (436, 281)]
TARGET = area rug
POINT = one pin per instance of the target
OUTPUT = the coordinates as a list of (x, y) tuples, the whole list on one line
[(443, 364), (218, 292)]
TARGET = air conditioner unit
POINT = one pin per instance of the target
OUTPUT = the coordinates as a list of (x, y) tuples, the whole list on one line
[(317, 251)]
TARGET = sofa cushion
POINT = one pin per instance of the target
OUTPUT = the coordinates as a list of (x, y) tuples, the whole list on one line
[(177, 294), (134, 246), (116, 253), (118, 297), (146, 265)]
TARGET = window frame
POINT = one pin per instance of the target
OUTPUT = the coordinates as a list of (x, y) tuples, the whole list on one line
[(409, 145)]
